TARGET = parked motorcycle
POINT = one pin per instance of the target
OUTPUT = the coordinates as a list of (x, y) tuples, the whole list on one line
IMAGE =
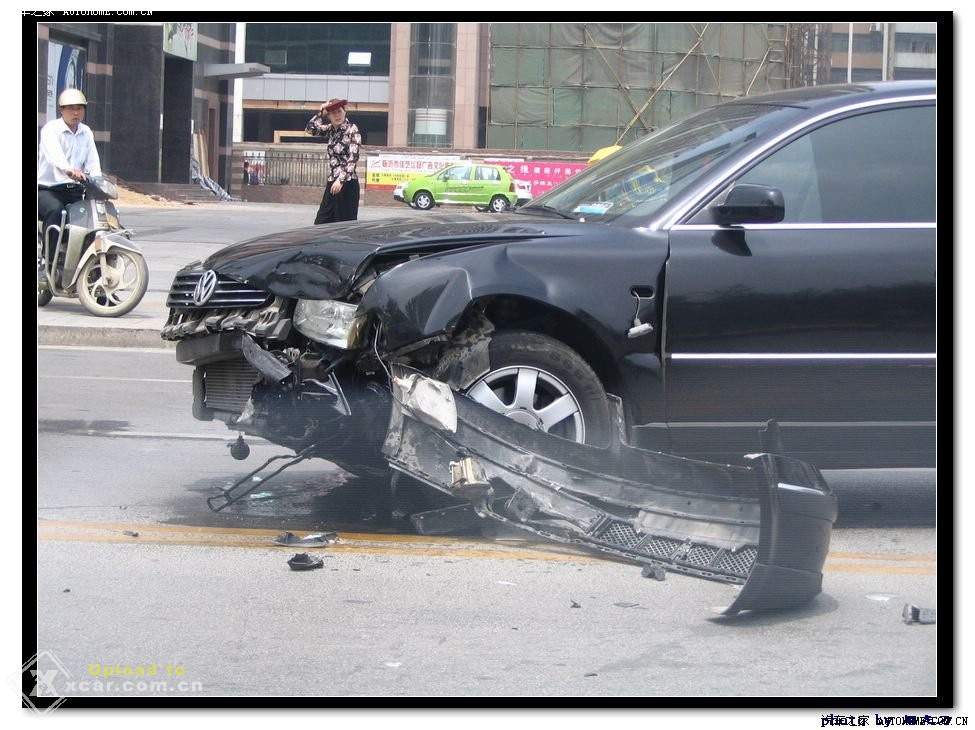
[(94, 257)]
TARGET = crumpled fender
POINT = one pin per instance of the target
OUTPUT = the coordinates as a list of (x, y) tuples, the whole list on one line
[(765, 526), (420, 299), (420, 303)]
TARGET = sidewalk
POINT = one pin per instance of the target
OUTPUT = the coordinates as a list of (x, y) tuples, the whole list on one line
[(66, 322), (171, 237)]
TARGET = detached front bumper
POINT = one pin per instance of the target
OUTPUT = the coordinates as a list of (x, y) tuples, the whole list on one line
[(765, 526)]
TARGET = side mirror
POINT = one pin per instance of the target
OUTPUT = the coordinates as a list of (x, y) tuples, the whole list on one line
[(748, 203)]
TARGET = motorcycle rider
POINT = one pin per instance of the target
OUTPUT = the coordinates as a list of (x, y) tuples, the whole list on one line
[(66, 157)]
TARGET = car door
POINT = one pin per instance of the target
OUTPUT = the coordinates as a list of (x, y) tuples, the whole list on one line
[(457, 184), (486, 182), (825, 321)]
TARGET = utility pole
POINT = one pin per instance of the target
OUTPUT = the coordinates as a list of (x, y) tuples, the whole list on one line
[(849, 57), (886, 56)]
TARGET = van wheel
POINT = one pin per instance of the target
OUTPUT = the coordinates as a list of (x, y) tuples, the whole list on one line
[(541, 383)]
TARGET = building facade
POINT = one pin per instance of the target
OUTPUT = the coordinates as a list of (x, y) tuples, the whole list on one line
[(884, 51), (160, 94), (166, 98)]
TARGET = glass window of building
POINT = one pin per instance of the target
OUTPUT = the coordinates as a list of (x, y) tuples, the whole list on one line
[(340, 49), (432, 54)]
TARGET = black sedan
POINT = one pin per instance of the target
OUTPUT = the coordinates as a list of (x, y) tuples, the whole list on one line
[(768, 259)]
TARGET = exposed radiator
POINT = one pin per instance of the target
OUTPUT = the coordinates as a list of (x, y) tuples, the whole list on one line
[(228, 384)]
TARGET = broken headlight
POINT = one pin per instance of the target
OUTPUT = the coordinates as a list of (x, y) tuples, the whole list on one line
[(329, 322)]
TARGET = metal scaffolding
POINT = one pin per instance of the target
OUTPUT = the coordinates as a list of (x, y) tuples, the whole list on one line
[(581, 86)]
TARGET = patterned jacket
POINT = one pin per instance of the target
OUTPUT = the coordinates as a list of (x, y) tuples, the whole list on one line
[(342, 144)]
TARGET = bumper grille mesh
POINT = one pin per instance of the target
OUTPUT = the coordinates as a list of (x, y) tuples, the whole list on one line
[(694, 557), (701, 556), (228, 385), (620, 533), (659, 547), (229, 294), (739, 562)]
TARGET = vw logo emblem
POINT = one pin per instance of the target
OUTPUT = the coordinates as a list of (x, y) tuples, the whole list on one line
[(204, 287)]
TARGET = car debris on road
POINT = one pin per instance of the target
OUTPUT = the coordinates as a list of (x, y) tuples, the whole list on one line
[(765, 526), (323, 539), (914, 615), (304, 561)]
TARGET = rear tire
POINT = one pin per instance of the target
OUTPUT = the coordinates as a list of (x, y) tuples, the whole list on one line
[(44, 295), (499, 204), (542, 383)]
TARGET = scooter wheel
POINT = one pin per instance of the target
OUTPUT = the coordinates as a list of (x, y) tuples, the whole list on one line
[(43, 297), (118, 289)]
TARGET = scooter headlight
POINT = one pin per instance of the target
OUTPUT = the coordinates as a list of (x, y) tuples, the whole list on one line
[(329, 322)]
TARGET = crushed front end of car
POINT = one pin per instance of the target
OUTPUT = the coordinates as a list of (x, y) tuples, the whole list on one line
[(350, 344), (765, 526), (289, 335)]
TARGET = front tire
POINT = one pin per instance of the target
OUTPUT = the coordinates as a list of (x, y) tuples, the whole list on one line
[(423, 200), (543, 384), (117, 289)]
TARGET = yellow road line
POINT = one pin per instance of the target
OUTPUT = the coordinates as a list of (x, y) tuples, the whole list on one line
[(358, 549), (832, 567), (243, 531), (415, 545), (884, 556)]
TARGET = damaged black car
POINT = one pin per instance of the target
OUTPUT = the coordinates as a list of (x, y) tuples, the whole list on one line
[(769, 258), (766, 264)]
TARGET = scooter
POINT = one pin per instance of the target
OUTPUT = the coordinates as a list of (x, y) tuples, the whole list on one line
[(94, 257)]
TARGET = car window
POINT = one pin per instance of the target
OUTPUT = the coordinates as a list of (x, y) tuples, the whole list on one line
[(877, 167), (457, 173), (642, 177), (488, 173)]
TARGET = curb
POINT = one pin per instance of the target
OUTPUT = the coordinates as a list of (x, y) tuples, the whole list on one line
[(101, 337)]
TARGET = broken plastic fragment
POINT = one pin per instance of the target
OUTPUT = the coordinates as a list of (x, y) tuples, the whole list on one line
[(468, 480), (322, 539), (914, 615), (130, 533), (573, 604), (431, 401), (304, 561), (881, 597), (656, 572)]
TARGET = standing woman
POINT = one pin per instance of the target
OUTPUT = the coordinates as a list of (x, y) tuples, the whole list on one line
[(342, 139)]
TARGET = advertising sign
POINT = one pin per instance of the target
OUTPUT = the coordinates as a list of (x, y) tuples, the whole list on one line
[(179, 39), (385, 172), (65, 70), (542, 174)]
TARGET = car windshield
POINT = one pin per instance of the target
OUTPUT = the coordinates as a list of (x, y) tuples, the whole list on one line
[(645, 175)]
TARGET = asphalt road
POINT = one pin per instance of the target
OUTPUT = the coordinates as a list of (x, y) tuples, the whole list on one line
[(395, 614)]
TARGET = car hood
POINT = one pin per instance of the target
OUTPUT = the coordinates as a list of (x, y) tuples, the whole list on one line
[(322, 262)]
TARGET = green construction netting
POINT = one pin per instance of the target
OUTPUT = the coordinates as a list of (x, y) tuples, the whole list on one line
[(578, 86)]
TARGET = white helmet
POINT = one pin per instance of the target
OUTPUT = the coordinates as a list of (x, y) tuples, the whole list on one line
[(70, 97)]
